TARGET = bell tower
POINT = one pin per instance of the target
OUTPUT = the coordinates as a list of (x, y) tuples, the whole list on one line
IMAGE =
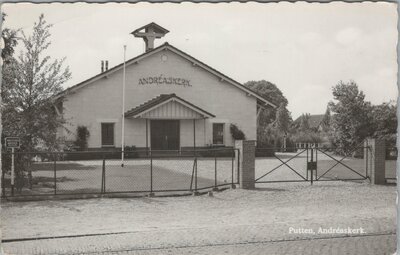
[(149, 33)]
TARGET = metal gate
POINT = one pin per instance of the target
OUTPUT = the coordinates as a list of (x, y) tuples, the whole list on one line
[(311, 164)]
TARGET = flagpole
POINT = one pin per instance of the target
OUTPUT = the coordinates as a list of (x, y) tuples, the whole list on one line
[(123, 111)]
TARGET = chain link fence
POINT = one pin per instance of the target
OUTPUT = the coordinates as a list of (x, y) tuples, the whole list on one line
[(142, 171)]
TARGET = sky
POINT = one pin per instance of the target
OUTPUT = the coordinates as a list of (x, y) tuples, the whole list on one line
[(303, 48)]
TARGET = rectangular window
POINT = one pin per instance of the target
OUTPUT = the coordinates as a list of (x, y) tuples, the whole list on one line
[(107, 134), (218, 133)]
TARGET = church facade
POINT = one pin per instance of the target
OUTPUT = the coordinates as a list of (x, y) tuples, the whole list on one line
[(172, 102)]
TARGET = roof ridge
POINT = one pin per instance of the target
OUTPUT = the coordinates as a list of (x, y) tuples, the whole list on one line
[(178, 52)]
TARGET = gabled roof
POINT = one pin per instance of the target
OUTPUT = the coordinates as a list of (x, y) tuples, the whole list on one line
[(313, 120), (157, 28), (167, 46), (163, 99)]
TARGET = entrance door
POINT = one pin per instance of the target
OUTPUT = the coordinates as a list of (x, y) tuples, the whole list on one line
[(164, 134)]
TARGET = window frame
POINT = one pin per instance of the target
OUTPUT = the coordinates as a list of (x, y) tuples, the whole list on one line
[(223, 134)]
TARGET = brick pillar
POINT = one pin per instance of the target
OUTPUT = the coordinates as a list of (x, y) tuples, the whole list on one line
[(247, 150), (375, 160)]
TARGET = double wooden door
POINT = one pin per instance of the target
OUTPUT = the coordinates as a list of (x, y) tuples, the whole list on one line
[(164, 134)]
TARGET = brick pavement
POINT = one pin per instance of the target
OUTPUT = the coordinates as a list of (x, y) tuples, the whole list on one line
[(272, 236), (367, 245), (209, 225), (380, 244)]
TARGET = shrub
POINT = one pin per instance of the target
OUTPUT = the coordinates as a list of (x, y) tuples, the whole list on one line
[(131, 152), (307, 137), (236, 133), (82, 135), (92, 155), (110, 153), (226, 152), (265, 152)]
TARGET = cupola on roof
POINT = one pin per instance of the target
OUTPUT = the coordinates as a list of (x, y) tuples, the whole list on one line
[(149, 33)]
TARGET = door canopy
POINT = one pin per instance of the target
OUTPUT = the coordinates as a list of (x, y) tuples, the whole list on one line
[(168, 106)]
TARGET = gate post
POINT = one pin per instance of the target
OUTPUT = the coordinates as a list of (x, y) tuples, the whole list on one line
[(375, 160), (246, 157)]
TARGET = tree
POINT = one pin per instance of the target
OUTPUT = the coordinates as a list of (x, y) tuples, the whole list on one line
[(304, 124), (326, 121), (267, 134), (282, 122), (270, 92), (30, 81), (9, 37), (385, 122), (351, 119), (10, 41)]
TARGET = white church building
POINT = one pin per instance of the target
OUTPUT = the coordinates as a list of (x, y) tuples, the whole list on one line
[(172, 101)]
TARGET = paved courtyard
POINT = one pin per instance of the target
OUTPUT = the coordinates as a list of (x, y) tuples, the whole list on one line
[(269, 220)]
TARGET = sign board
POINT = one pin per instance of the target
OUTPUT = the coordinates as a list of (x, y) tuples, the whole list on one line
[(312, 165), (13, 142)]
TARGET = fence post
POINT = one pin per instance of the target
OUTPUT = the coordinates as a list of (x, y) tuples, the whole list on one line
[(233, 186), (247, 149), (367, 162), (151, 175), (377, 159), (215, 174), (316, 166), (103, 176), (3, 187), (55, 174), (195, 177), (195, 193), (312, 169), (237, 155), (12, 172), (192, 177), (306, 165)]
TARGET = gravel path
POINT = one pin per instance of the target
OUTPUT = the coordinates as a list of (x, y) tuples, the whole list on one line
[(224, 223)]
